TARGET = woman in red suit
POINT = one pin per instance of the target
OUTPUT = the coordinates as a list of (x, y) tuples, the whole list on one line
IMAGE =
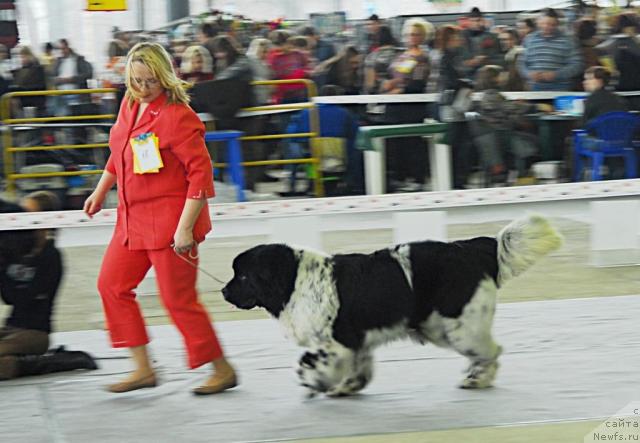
[(163, 172)]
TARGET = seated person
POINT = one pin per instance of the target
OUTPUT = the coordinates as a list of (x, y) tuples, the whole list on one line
[(30, 274), (601, 99), (495, 133), (29, 284)]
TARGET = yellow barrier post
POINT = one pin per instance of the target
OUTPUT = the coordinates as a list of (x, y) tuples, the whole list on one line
[(5, 115), (314, 126), (12, 176)]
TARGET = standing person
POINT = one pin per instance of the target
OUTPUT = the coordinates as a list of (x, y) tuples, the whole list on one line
[(343, 70), (114, 73), (624, 48), (409, 73), (206, 34), (512, 52), (30, 77), (71, 71), (287, 63), (481, 45), (525, 27), (321, 49), (455, 101), (373, 33), (550, 58), (376, 63), (47, 60), (196, 65), (257, 54), (586, 32), (230, 61), (163, 170)]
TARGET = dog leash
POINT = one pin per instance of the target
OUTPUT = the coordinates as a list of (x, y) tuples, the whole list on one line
[(198, 267)]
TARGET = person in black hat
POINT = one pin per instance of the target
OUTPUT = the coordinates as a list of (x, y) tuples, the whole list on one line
[(482, 47)]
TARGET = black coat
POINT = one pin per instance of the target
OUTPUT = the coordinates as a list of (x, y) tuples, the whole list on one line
[(601, 102), (30, 285)]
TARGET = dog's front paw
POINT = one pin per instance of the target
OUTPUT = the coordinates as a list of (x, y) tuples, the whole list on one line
[(312, 374), (481, 376)]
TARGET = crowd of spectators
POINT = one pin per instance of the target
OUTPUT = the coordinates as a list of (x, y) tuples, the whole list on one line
[(547, 53)]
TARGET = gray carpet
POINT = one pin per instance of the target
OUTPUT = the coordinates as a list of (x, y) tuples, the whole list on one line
[(563, 360)]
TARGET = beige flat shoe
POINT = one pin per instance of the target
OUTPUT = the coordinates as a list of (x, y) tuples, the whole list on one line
[(125, 386), (216, 386)]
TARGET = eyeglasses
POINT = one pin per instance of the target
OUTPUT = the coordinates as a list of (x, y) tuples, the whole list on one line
[(149, 83)]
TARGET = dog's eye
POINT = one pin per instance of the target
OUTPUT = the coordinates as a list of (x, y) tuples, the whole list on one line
[(242, 277)]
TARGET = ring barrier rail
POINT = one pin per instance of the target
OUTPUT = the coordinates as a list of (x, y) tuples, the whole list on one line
[(313, 160), (10, 123), (314, 126), (9, 150), (434, 97), (485, 200)]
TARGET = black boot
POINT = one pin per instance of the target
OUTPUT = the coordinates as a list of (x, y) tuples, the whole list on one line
[(8, 367), (59, 361)]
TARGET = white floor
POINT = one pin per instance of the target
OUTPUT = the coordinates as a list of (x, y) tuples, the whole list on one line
[(563, 360)]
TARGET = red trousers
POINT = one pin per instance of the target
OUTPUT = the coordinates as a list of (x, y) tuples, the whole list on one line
[(122, 270)]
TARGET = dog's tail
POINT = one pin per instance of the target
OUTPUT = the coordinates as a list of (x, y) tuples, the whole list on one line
[(522, 242)]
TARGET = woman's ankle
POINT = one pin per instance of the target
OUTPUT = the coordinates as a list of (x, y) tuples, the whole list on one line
[(222, 365), (139, 373)]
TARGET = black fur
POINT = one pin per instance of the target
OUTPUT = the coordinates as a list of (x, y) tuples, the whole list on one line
[(263, 276), (14, 244), (372, 289), (341, 307)]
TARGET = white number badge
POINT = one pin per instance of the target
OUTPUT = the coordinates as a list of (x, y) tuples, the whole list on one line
[(146, 154)]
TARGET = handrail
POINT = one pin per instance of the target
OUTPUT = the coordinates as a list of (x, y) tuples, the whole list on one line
[(5, 116), (9, 149), (314, 127)]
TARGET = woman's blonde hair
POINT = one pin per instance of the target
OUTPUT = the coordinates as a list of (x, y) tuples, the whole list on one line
[(187, 57), (426, 28), (27, 52), (159, 62)]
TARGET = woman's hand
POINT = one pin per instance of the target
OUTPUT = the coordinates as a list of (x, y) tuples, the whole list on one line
[(183, 241), (93, 204)]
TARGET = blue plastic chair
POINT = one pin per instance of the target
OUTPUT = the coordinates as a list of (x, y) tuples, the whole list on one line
[(609, 135), (234, 157)]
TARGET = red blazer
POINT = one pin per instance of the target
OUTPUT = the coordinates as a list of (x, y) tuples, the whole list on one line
[(150, 204)]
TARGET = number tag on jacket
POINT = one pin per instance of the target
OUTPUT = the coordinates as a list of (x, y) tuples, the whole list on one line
[(146, 154), (405, 66)]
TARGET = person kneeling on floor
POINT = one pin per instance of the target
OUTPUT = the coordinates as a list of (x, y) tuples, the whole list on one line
[(30, 274)]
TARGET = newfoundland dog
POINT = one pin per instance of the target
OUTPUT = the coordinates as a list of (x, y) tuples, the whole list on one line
[(341, 307)]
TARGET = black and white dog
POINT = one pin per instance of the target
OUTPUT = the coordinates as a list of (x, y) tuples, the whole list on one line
[(341, 307)]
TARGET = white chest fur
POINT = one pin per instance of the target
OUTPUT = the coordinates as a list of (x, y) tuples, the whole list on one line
[(309, 314)]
